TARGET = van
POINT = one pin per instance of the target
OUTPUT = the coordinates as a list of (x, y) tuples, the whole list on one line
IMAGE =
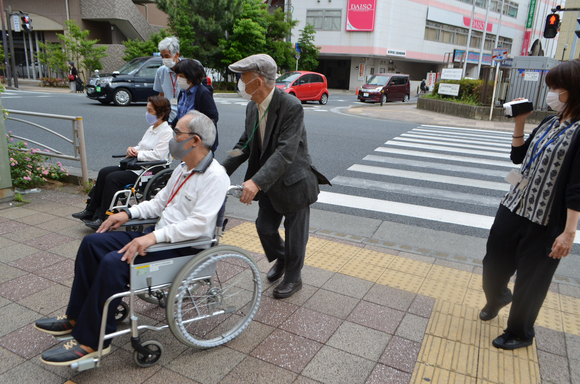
[(386, 87)]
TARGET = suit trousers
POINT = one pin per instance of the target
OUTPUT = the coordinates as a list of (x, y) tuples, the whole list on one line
[(99, 274), (517, 244), (109, 181), (291, 252)]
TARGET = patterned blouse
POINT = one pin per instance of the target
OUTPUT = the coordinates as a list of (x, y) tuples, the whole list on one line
[(540, 168)]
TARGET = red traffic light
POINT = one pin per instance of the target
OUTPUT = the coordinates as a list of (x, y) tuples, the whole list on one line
[(552, 24)]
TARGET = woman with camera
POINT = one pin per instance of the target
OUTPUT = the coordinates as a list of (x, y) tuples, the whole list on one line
[(153, 146), (537, 219)]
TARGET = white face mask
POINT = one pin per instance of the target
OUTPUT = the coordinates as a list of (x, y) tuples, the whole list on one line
[(182, 83), (242, 89), (169, 63), (553, 100)]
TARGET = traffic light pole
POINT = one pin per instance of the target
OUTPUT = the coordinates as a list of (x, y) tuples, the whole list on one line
[(4, 46), (11, 41)]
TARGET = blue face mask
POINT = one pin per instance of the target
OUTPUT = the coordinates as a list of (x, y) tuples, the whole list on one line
[(151, 119)]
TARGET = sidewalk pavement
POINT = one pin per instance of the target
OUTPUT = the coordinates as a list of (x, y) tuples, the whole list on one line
[(368, 313)]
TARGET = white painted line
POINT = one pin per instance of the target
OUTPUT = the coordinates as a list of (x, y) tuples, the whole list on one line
[(428, 193), (446, 149), (454, 140), (441, 166), (507, 134), (430, 177), (482, 136), (399, 138), (462, 159)]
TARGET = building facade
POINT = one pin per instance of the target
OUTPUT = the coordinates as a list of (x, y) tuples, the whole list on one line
[(361, 37), (109, 21)]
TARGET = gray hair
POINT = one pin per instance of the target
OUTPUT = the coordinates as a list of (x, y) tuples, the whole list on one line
[(169, 43), (202, 125), (270, 83)]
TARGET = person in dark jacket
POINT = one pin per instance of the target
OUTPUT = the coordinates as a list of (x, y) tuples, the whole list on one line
[(536, 222), (193, 94), (73, 75)]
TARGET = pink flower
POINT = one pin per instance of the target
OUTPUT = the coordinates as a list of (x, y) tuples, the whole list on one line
[(25, 144), (46, 150), (45, 172), (12, 164), (27, 159), (26, 178)]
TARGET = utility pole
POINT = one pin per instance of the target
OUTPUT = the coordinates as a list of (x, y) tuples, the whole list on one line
[(468, 38), (4, 46), (11, 42)]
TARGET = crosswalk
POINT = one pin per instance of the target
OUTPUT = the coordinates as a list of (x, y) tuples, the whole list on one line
[(238, 101), (441, 175), (17, 94)]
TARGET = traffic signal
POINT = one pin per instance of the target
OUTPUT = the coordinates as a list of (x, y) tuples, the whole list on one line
[(26, 27), (577, 31), (552, 24)]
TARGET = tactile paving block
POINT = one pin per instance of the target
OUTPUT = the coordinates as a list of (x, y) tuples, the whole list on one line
[(570, 305), (571, 323), (550, 318), (506, 367), (253, 245), (246, 229), (427, 373), (401, 280), (474, 299), (375, 258), (338, 249), (465, 328), (449, 275), (236, 239), (475, 282), (443, 291), (552, 301), (328, 262), (360, 268), (449, 355), (314, 244), (411, 266)]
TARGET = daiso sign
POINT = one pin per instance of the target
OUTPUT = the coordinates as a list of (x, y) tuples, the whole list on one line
[(360, 15)]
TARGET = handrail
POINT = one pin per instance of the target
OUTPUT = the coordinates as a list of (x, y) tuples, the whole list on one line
[(77, 141)]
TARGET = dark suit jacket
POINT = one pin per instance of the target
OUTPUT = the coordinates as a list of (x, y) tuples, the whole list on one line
[(282, 169)]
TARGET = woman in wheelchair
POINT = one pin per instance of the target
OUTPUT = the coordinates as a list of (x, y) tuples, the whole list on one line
[(152, 147), (188, 207)]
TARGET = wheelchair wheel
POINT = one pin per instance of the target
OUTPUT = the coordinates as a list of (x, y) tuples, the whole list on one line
[(121, 312), (155, 351), (156, 184), (214, 297)]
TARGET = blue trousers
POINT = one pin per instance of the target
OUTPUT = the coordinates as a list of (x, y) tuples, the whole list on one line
[(99, 274)]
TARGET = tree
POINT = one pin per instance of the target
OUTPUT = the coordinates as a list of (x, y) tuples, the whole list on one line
[(53, 57), (82, 51), (136, 48), (280, 26), (200, 25), (309, 52)]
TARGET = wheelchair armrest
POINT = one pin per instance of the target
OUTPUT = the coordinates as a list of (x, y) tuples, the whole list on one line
[(150, 163), (140, 222), (195, 243), (118, 156)]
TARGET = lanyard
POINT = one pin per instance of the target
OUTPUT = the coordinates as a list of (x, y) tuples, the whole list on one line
[(173, 83), (178, 188), (256, 126), (535, 156)]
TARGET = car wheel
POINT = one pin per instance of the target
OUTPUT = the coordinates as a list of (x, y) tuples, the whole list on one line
[(104, 102), (406, 98), (122, 97), (383, 98), (323, 99)]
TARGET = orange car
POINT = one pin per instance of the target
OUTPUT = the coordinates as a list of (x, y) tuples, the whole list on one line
[(305, 85)]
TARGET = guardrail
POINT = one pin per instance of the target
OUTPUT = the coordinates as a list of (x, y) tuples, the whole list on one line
[(77, 141)]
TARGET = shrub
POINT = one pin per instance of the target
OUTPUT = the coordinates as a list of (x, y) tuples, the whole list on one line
[(469, 91), (224, 86), (27, 165), (54, 82)]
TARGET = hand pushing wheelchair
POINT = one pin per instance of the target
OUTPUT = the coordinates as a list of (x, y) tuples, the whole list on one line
[(210, 297)]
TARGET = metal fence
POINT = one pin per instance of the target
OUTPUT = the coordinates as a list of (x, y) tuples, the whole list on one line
[(77, 140)]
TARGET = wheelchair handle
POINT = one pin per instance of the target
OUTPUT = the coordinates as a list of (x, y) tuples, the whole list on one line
[(235, 191)]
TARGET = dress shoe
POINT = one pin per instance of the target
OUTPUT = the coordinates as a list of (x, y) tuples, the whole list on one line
[(57, 326), (284, 289), (83, 215), (275, 272), (94, 224), (68, 353), (509, 342), (488, 312)]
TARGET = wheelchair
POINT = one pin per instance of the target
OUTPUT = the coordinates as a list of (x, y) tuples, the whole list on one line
[(210, 297)]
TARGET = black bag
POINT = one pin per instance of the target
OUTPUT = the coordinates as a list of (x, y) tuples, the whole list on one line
[(129, 163)]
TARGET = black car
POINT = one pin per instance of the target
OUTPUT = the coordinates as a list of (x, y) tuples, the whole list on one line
[(133, 82)]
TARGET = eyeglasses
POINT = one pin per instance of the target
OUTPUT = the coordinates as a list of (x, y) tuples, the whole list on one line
[(177, 132)]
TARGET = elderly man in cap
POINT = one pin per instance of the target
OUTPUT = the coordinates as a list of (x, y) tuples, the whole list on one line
[(280, 174)]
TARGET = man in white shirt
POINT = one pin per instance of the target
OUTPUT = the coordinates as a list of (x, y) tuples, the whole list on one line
[(188, 207), (165, 80)]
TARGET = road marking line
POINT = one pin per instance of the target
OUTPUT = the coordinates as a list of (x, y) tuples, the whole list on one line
[(399, 138), (431, 155), (454, 140), (463, 134), (445, 149)]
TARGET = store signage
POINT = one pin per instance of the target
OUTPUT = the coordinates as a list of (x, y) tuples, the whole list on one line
[(531, 12), (448, 89), (526, 43), (531, 76), (477, 24), (392, 52), (472, 57), (360, 15), (451, 73)]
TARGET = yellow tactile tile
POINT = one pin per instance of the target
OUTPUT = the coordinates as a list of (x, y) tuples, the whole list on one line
[(474, 299), (552, 301), (465, 329), (411, 266), (571, 323), (449, 275), (246, 229), (236, 239), (401, 280), (505, 367), (449, 355), (475, 282), (550, 318), (254, 245), (443, 291), (338, 249), (570, 305), (360, 268), (426, 373), (314, 244), (326, 261), (375, 258)]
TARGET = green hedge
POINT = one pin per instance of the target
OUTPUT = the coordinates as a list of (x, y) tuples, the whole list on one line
[(469, 92)]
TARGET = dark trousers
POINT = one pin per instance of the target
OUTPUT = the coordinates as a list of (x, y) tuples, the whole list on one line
[(290, 252), (517, 244), (109, 181), (99, 274)]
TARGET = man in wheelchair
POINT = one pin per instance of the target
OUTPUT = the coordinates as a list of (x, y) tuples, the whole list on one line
[(187, 209)]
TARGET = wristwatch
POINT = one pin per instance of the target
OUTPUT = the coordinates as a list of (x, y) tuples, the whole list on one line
[(127, 211)]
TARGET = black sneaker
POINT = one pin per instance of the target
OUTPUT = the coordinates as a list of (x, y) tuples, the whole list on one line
[(83, 215), (68, 353), (57, 326)]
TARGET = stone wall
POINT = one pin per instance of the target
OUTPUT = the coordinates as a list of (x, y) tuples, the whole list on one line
[(114, 59), (473, 111)]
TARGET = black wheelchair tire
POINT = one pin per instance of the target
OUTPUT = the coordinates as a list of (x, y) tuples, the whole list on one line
[(156, 184)]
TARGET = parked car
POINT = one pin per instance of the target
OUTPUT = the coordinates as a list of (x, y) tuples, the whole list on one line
[(133, 82), (306, 86), (386, 87)]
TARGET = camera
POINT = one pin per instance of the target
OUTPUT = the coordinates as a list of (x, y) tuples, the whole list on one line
[(514, 108)]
